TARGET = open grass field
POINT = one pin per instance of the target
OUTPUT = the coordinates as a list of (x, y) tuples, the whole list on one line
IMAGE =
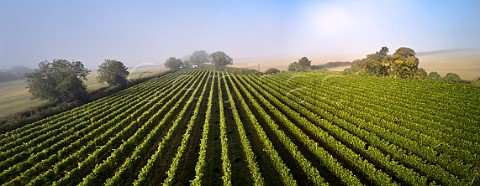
[(202, 127), (14, 96), (464, 63)]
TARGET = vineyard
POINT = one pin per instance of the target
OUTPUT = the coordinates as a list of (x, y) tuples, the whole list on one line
[(202, 127)]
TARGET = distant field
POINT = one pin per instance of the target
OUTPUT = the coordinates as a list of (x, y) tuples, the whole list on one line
[(464, 63), (145, 70), (282, 63), (14, 95), (202, 127)]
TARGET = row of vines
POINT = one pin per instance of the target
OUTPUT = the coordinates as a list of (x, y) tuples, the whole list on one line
[(202, 127)]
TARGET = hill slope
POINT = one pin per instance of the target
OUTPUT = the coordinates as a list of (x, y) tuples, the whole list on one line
[(203, 127)]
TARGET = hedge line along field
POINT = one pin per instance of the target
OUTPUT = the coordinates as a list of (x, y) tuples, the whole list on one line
[(202, 127)]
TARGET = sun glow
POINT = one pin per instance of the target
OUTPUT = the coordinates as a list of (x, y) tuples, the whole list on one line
[(329, 20)]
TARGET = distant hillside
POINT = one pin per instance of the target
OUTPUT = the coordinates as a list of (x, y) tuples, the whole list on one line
[(435, 52), (7, 76), (465, 63), (14, 73), (331, 65)]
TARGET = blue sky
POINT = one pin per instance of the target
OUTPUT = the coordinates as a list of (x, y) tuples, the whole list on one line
[(150, 31)]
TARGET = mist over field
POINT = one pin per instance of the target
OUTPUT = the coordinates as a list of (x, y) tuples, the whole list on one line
[(150, 32), (464, 62)]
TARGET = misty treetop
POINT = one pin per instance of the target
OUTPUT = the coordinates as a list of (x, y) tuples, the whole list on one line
[(58, 81), (199, 57), (173, 63), (220, 59), (112, 72), (303, 64)]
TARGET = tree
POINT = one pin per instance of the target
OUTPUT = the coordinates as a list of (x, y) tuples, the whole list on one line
[(293, 66), (384, 61), (476, 80), (220, 59), (198, 57), (452, 77), (434, 76), (112, 72), (358, 67), (186, 61), (303, 64), (377, 64), (272, 71), (421, 73), (373, 65), (173, 63), (404, 63), (59, 81)]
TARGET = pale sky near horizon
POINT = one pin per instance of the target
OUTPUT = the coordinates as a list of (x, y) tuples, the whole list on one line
[(137, 32)]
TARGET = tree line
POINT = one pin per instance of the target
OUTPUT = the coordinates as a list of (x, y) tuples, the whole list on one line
[(218, 60), (402, 64), (62, 80)]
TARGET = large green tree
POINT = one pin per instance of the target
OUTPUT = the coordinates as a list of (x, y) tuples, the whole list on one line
[(404, 63), (58, 81), (112, 72), (382, 62), (421, 73), (358, 67), (220, 59), (376, 64), (173, 63), (452, 77), (435, 76)]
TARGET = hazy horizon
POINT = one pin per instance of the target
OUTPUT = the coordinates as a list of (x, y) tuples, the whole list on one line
[(150, 31)]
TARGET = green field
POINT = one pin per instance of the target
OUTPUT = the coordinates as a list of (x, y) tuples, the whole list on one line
[(14, 96), (203, 127)]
